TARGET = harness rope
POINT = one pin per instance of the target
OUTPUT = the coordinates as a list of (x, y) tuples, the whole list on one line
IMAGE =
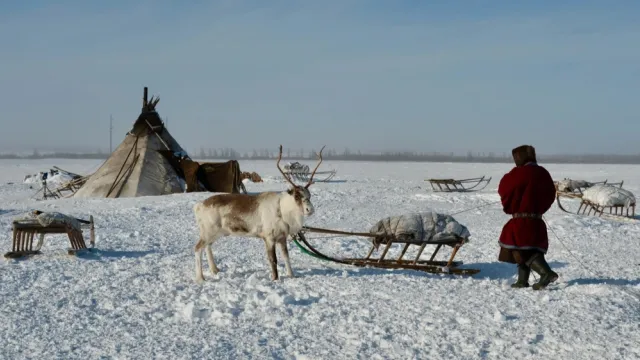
[(475, 207), (581, 263)]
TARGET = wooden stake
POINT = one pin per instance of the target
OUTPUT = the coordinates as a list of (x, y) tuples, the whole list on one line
[(92, 233)]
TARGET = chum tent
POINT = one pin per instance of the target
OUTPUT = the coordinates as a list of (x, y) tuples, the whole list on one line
[(149, 162)]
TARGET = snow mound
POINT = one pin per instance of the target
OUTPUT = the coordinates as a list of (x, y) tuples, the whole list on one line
[(420, 227), (607, 195)]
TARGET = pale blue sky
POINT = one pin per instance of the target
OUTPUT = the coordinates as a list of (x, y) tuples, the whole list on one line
[(370, 75)]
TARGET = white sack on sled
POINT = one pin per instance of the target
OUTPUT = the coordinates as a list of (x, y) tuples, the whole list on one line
[(608, 195), (570, 185), (424, 226), (48, 218)]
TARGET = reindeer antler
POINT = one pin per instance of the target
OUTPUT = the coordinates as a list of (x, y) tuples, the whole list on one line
[(314, 170), (283, 174)]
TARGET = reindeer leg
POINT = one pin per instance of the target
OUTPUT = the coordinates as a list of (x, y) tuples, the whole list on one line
[(212, 264), (198, 250), (285, 254), (270, 244)]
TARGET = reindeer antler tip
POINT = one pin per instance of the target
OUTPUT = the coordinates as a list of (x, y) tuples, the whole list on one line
[(280, 169), (314, 170)]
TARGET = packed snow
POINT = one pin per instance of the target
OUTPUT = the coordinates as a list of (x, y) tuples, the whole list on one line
[(135, 296)]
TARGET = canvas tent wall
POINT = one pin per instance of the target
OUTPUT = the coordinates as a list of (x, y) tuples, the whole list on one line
[(137, 167), (149, 162)]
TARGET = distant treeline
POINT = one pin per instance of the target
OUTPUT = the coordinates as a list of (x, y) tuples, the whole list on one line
[(347, 155)]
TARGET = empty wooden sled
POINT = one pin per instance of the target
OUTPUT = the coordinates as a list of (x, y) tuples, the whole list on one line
[(24, 232), (431, 266), (300, 172), (463, 185)]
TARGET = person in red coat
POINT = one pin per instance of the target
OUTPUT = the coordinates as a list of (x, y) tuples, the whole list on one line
[(526, 192)]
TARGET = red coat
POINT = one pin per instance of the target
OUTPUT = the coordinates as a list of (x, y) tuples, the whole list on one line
[(526, 189)]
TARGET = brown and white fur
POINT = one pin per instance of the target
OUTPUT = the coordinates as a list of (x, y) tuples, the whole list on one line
[(270, 216)]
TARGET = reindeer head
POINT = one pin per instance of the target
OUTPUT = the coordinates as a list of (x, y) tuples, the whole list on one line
[(301, 194)]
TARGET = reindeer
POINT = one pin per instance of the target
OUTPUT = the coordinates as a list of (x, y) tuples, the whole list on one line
[(270, 216)]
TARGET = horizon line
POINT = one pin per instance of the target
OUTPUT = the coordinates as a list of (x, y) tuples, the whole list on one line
[(306, 152), (607, 159)]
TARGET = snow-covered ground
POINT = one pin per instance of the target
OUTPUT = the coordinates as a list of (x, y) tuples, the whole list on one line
[(136, 298)]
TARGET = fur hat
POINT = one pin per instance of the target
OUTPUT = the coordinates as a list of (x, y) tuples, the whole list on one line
[(524, 154)]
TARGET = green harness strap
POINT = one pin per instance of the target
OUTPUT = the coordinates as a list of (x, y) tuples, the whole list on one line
[(305, 251)]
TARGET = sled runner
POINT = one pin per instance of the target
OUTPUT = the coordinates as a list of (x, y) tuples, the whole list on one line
[(453, 185), (41, 223), (603, 200), (300, 172), (69, 188), (403, 230)]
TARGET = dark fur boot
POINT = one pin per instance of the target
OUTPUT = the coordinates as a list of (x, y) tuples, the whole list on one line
[(547, 276), (523, 277)]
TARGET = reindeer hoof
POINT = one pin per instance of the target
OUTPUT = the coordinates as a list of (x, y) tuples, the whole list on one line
[(274, 278), (215, 271), (199, 279)]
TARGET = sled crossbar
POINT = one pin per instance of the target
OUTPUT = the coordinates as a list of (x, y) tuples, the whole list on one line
[(24, 231), (461, 185), (432, 266)]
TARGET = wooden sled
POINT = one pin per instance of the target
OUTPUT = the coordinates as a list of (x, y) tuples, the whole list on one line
[(69, 188), (303, 176), (579, 189), (453, 185), (430, 266), (65, 190), (24, 232), (616, 212)]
